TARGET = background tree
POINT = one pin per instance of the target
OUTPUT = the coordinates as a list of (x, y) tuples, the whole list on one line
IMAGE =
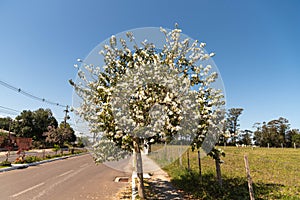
[(245, 137), (60, 135), (296, 139), (274, 133), (24, 127), (232, 123), (33, 124), (293, 136), (83, 141), (5, 123), (70, 133), (278, 129), (42, 119)]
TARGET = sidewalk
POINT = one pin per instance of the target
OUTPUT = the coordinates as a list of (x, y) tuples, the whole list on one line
[(159, 182)]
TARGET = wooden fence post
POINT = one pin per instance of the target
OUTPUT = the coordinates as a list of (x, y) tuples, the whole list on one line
[(180, 157), (251, 192)]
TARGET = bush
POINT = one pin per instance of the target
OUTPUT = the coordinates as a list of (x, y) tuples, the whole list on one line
[(5, 164), (31, 159), (27, 159)]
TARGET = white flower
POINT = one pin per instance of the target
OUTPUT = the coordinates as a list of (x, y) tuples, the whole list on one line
[(167, 98), (202, 44), (113, 40), (212, 54)]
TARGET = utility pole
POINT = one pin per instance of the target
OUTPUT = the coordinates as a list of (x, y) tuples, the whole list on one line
[(66, 116)]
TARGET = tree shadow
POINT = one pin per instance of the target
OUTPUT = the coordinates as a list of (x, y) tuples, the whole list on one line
[(162, 189), (232, 188)]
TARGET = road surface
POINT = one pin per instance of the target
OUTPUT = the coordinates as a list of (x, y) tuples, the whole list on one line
[(75, 178)]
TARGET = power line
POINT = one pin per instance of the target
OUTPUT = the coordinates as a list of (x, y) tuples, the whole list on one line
[(10, 109), (7, 112), (19, 90)]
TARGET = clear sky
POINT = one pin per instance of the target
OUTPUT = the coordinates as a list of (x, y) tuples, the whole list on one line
[(257, 46)]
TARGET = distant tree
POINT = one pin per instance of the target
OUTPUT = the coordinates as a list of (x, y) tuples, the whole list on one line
[(296, 138), (60, 135), (245, 137), (232, 122), (71, 137), (273, 133), (263, 135), (5, 123), (278, 129), (83, 141), (289, 137), (225, 135), (42, 119), (24, 127), (33, 124)]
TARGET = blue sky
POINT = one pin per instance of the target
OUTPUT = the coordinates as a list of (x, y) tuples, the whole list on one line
[(257, 45)]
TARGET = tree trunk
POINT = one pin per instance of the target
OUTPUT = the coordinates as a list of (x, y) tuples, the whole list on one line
[(218, 170), (199, 165), (188, 160), (139, 168)]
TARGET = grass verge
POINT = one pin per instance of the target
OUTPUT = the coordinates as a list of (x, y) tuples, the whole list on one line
[(274, 172)]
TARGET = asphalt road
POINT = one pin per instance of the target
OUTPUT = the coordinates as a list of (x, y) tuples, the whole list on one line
[(75, 178)]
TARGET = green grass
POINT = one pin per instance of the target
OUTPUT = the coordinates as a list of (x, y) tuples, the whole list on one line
[(4, 164), (275, 174)]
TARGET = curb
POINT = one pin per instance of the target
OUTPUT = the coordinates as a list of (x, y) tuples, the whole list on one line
[(23, 166), (13, 167)]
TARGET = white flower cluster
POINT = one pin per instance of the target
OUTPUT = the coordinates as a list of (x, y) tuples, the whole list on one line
[(105, 150), (151, 93)]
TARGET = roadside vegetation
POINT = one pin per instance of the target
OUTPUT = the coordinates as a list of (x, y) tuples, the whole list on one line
[(40, 128), (34, 158), (274, 171)]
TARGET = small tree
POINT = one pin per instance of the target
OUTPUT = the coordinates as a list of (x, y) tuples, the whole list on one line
[(144, 95)]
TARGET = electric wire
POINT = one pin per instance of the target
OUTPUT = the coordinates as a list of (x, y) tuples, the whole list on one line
[(7, 112), (9, 109), (19, 90)]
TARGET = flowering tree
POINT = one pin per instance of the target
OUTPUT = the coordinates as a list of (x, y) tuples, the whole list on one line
[(149, 94)]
